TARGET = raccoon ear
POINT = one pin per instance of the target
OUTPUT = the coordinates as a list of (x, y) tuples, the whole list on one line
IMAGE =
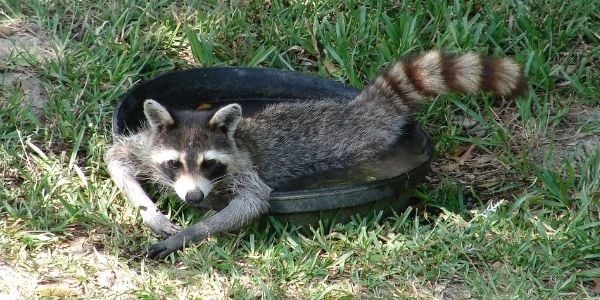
[(227, 118), (156, 114)]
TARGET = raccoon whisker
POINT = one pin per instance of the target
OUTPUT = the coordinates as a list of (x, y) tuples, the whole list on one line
[(219, 179), (160, 180), (163, 189)]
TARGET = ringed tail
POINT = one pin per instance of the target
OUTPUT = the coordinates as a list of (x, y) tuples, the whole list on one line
[(413, 79)]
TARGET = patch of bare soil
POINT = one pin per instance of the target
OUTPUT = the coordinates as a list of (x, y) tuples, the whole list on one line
[(22, 44), (570, 138), (38, 275), (481, 172), (475, 169), (15, 284), (493, 179), (451, 291)]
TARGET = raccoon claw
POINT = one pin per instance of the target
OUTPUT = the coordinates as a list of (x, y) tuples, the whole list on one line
[(167, 230), (163, 249), (158, 251), (160, 224)]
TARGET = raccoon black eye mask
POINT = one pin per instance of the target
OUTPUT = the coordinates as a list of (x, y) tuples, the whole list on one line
[(228, 163)]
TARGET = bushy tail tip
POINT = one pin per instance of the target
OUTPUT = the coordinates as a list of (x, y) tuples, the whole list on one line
[(415, 78)]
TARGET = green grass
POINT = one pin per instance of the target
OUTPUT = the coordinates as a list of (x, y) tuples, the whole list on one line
[(527, 230)]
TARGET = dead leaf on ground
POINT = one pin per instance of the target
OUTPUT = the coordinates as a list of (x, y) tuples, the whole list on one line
[(458, 151), (447, 167), (57, 290), (483, 160), (106, 278), (331, 68), (6, 31), (466, 155), (462, 153), (296, 49), (463, 121), (498, 265), (469, 125)]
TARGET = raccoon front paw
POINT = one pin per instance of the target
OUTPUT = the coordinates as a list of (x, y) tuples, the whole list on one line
[(160, 224), (164, 248)]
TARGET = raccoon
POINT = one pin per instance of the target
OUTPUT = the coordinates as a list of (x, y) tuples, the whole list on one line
[(220, 160)]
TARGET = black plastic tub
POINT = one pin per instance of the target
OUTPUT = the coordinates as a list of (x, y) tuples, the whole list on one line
[(385, 184)]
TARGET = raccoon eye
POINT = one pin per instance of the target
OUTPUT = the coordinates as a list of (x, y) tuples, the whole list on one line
[(173, 164), (208, 163)]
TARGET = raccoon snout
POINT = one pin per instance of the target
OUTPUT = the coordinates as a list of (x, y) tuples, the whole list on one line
[(194, 197)]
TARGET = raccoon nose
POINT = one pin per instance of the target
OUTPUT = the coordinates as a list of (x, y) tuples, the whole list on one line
[(194, 197)]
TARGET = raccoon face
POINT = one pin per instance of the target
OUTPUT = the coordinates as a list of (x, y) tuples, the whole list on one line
[(192, 150)]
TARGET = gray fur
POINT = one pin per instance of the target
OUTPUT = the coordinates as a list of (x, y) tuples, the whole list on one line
[(156, 114), (288, 141), (124, 174), (281, 143), (227, 118), (249, 194)]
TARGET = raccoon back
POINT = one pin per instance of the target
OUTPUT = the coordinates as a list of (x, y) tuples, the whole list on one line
[(290, 140)]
